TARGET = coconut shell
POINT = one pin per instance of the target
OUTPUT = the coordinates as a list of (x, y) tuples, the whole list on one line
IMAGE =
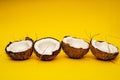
[(72, 52), (102, 55), (47, 57), (20, 55)]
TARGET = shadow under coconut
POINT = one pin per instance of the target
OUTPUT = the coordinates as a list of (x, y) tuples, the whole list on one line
[(82, 58), (19, 60), (91, 57), (39, 59), (113, 61)]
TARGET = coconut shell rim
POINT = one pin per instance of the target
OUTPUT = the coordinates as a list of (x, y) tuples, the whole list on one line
[(47, 55), (107, 52), (46, 38), (74, 47), (104, 51), (75, 38), (27, 38)]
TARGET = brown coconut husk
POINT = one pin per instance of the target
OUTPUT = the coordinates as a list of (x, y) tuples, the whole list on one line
[(20, 55), (47, 57), (102, 55), (72, 52)]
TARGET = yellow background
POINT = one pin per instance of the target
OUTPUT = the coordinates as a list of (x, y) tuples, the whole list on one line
[(48, 18)]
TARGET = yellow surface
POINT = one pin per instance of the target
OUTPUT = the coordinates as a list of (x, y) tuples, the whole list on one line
[(46, 18)]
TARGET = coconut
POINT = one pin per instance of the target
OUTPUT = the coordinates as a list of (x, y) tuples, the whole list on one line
[(74, 47), (47, 48), (103, 50), (20, 50)]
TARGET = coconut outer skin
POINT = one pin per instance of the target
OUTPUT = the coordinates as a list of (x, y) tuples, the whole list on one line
[(75, 53), (102, 55), (47, 57), (20, 55)]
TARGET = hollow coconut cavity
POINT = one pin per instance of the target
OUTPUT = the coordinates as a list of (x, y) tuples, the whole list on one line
[(103, 50), (74, 47), (20, 50), (47, 48)]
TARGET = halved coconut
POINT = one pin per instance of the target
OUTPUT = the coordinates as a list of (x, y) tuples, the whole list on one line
[(47, 48), (103, 50), (20, 50), (74, 47)]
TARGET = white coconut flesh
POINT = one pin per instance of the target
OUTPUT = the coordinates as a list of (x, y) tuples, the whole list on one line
[(46, 46), (104, 46), (20, 46), (76, 43)]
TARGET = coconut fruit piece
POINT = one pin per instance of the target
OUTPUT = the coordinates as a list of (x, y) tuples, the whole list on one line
[(103, 50), (47, 48), (20, 50), (74, 47)]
